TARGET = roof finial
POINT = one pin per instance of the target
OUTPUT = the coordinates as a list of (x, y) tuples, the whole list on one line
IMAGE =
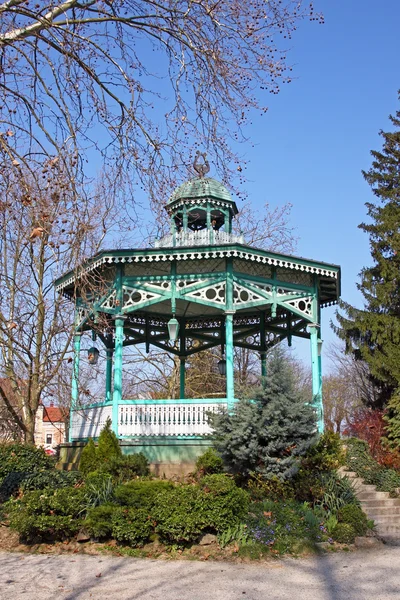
[(201, 168)]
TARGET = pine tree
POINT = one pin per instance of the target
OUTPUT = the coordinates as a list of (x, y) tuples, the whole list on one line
[(373, 334), (392, 418), (269, 433)]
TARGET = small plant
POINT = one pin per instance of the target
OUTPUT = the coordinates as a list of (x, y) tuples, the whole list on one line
[(354, 516), (237, 533), (338, 491), (272, 488), (141, 493), (327, 454), (208, 463), (344, 533), (99, 490), (330, 523)]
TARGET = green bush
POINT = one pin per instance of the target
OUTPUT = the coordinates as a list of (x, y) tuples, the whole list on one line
[(23, 458), (208, 463), (227, 504), (48, 514), (337, 492), (99, 489), (126, 468), (53, 479), (131, 525), (98, 522), (108, 446), (327, 454), (10, 485), (137, 494), (344, 533), (354, 516), (88, 462), (184, 512)]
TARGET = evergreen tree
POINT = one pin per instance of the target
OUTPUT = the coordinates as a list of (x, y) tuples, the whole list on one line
[(88, 462), (108, 447), (373, 334), (269, 433)]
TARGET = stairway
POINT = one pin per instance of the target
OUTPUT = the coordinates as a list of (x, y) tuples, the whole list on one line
[(379, 506)]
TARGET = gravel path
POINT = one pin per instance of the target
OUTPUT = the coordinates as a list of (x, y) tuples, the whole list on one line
[(362, 575)]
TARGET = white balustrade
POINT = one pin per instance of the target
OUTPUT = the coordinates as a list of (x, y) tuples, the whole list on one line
[(165, 419), (88, 422), (203, 237)]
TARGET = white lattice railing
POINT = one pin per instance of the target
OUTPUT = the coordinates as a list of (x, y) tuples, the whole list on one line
[(89, 422), (204, 237), (165, 419)]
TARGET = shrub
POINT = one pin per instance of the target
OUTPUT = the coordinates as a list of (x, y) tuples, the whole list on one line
[(53, 479), (184, 512), (23, 458), (108, 445), (344, 533), (139, 494), (354, 516), (48, 514), (98, 522), (88, 462), (131, 525), (326, 455), (10, 485), (337, 492), (208, 463), (99, 489), (125, 468), (227, 504), (268, 434)]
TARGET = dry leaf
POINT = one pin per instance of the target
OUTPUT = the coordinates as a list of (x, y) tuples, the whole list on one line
[(36, 232)]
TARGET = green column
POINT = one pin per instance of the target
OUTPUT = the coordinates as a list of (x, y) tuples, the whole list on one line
[(118, 349), (109, 366), (263, 356), (316, 377), (230, 386), (75, 380), (182, 378)]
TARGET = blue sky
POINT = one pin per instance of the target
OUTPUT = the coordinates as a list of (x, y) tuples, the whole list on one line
[(317, 135)]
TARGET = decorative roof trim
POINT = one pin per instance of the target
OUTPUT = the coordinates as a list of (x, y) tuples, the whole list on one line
[(250, 255), (173, 205)]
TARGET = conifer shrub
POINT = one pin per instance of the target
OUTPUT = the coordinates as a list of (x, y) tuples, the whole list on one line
[(208, 463), (89, 460), (270, 433), (125, 468), (327, 454), (108, 446), (137, 494)]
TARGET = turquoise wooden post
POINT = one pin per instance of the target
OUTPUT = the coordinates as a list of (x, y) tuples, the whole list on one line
[(75, 381), (230, 381), (182, 378), (316, 376), (117, 393), (109, 366)]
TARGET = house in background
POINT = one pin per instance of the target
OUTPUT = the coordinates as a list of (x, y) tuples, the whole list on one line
[(50, 430)]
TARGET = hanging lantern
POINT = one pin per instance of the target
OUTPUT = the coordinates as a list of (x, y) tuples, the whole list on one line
[(173, 329), (93, 356), (222, 366)]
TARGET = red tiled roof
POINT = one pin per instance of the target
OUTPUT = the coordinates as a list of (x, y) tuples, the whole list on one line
[(53, 414)]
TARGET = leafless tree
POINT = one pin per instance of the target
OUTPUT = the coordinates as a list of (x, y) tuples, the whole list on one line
[(44, 233), (139, 83)]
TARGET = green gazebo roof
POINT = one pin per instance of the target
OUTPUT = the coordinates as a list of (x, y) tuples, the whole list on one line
[(201, 187)]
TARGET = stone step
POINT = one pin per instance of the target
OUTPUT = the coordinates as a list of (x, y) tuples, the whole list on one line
[(391, 540), (373, 503), (372, 495), (391, 520), (374, 512)]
